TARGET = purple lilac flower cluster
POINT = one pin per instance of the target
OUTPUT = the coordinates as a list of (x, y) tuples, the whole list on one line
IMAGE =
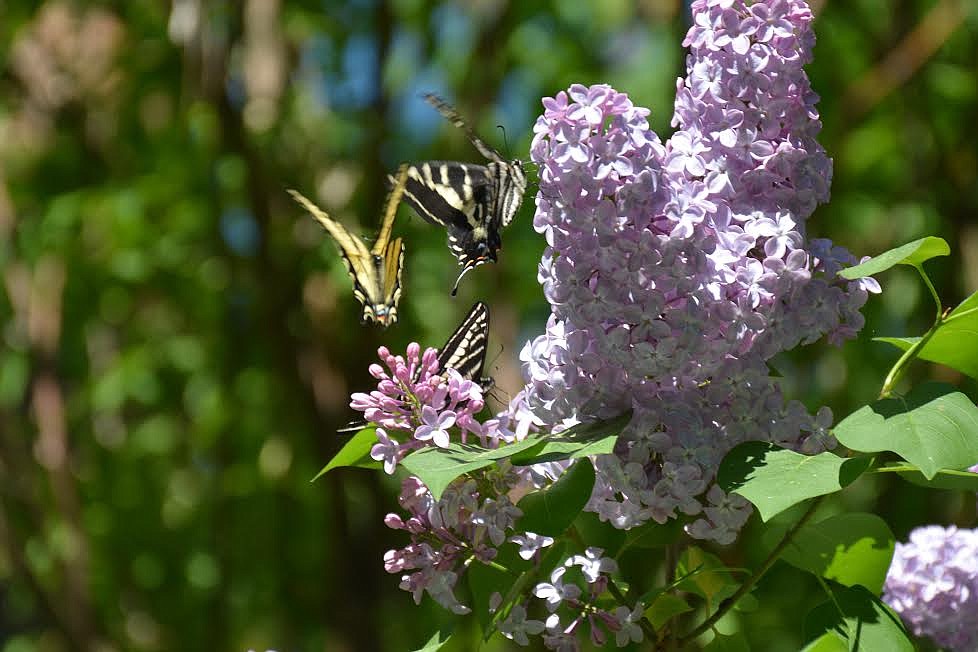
[(676, 270), (445, 535), (428, 406), (933, 585), (415, 396)]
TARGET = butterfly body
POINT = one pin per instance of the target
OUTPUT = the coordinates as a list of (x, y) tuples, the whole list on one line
[(376, 273)]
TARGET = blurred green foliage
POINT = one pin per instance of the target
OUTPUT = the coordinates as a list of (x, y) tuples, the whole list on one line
[(179, 341)]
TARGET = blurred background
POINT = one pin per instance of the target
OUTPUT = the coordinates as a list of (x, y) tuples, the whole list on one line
[(179, 341)]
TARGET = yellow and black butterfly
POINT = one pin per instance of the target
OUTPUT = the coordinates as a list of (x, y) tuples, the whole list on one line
[(376, 273), (473, 202)]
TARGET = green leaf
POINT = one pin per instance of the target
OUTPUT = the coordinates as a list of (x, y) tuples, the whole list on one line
[(827, 642), (598, 533), (774, 478), (664, 607), (734, 643), (552, 510), (437, 467), (913, 253), (861, 619), (703, 573), (934, 427), (654, 535), (747, 604), (945, 478), (437, 640), (592, 438), (851, 549), (954, 344), (355, 452)]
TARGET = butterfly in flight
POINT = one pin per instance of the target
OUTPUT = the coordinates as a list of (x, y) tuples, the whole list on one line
[(464, 351), (473, 202), (376, 273)]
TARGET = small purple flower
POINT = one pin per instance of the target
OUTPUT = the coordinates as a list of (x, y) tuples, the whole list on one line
[(555, 591), (435, 426), (516, 626), (627, 620), (530, 543), (386, 451), (593, 564)]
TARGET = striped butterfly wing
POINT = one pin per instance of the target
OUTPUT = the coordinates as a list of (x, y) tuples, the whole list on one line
[(393, 262), (465, 350), (507, 180), (473, 202)]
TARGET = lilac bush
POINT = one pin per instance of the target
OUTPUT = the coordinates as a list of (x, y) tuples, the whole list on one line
[(674, 270), (933, 585)]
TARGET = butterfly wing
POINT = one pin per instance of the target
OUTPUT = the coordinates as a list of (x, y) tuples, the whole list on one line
[(365, 269), (449, 113), (459, 197), (393, 200), (508, 181), (393, 267), (465, 350)]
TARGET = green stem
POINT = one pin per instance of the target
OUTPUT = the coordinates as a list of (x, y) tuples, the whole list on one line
[(828, 592), (746, 587), (933, 293), (959, 315), (908, 356)]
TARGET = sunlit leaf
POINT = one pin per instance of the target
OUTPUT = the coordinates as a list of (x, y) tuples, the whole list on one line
[(912, 253), (850, 549), (860, 618), (827, 642), (592, 438), (934, 427), (437, 640), (704, 574), (438, 467), (954, 344), (355, 452), (774, 478), (664, 607)]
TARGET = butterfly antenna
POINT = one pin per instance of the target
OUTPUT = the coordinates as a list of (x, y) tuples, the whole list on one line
[(505, 142)]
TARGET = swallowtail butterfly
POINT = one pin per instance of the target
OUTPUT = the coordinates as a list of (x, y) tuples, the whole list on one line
[(473, 202), (376, 273)]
